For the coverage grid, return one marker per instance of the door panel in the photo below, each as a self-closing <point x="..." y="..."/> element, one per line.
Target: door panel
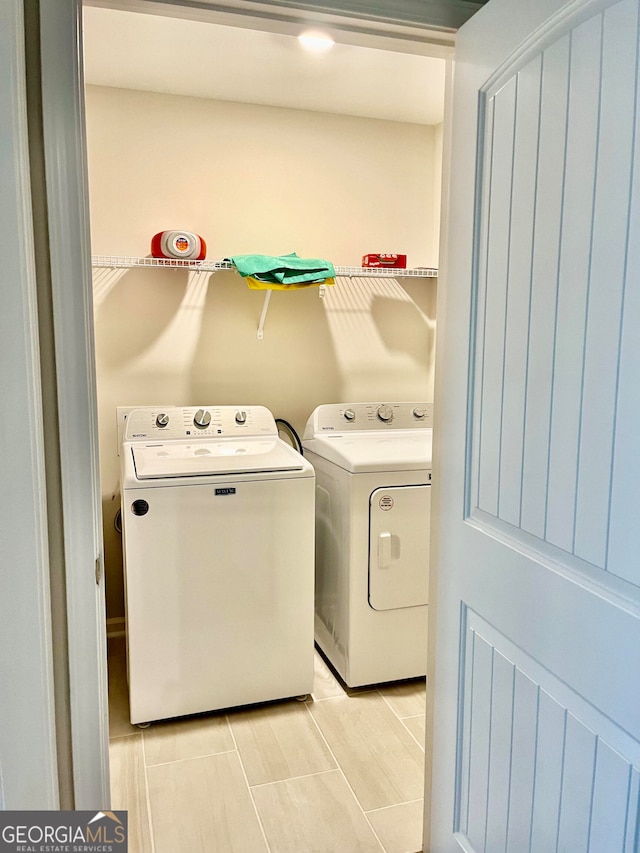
<point x="608" y="277"/>
<point x="526" y="123"/>
<point x="537" y="714"/>
<point x="550" y="283"/>
<point x="573" y="279"/>
<point x="537" y="761"/>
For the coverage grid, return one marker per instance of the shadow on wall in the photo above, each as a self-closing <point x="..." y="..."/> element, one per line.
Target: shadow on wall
<point x="372" y="321"/>
<point x="135" y="307"/>
<point x="113" y="562"/>
<point x="403" y="327"/>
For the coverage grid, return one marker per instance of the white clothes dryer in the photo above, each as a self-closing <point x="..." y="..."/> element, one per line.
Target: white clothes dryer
<point x="373" y="502"/>
<point x="218" y="532"/>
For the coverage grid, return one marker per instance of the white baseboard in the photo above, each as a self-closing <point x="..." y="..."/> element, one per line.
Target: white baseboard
<point x="116" y="627"/>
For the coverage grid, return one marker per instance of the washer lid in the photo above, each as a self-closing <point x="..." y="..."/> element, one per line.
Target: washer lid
<point x="211" y="458"/>
<point x="361" y="452"/>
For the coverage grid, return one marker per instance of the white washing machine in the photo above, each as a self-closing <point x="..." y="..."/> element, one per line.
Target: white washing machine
<point x="218" y="538"/>
<point x="373" y="502"/>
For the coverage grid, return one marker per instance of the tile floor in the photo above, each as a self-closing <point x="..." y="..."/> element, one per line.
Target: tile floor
<point x="339" y="773"/>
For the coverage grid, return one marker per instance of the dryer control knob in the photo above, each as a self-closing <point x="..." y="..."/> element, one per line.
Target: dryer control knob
<point x="202" y="419"/>
<point x="385" y="413"/>
<point x="349" y="414"/>
<point x="241" y="417"/>
<point x="162" y="420"/>
<point x="419" y="413"/>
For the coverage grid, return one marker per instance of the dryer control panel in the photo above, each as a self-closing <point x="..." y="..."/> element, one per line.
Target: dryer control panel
<point x="167" y="423"/>
<point x="344" y="417"/>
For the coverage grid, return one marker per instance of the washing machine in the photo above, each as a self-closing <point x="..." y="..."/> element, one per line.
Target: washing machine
<point x="218" y="540"/>
<point x="373" y="502"/>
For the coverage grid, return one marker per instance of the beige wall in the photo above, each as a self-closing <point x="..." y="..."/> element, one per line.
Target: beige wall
<point x="264" y="180"/>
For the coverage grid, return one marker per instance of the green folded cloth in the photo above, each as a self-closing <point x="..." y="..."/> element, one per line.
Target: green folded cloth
<point x="283" y="269"/>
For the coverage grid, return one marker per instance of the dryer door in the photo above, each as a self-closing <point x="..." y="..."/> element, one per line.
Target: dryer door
<point x="399" y="519"/>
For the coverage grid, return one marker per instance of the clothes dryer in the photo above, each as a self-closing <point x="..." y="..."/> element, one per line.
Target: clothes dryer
<point x="218" y="532"/>
<point x="373" y="502"/>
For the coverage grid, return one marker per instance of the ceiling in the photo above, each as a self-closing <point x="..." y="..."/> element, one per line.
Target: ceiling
<point x="207" y="60"/>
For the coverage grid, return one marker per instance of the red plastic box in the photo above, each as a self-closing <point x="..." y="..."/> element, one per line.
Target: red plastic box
<point x="385" y="260"/>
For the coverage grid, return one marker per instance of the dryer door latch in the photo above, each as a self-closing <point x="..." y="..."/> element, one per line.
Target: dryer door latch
<point x="384" y="550"/>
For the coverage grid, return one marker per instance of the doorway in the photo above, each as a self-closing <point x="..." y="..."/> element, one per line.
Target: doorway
<point x="161" y="336"/>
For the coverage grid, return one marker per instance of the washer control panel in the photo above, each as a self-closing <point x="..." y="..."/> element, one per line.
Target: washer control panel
<point x="342" y="417"/>
<point x="175" y="422"/>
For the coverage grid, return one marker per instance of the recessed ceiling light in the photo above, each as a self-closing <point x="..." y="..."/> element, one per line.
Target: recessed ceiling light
<point x="317" y="42"/>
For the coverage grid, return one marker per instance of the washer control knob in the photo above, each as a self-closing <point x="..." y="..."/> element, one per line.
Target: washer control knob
<point x="419" y="413"/>
<point x="385" y="413"/>
<point x="202" y="419"/>
<point x="241" y="417"/>
<point x="162" y="420"/>
<point x="349" y="415"/>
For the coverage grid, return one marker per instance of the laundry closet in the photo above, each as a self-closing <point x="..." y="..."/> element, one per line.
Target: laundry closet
<point x="253" y="178"/>
<point x="183" y="133"/>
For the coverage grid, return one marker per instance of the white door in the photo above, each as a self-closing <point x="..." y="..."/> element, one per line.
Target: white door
<point x="537" y="678"/>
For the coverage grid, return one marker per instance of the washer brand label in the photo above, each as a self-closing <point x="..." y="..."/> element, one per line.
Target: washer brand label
<point x="225" y="491"/>
<point x="386" y="503"/>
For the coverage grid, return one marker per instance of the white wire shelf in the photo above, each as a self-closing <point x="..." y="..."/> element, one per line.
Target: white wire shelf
<point x="127" y="261"/>
<point x="419" y="272"/>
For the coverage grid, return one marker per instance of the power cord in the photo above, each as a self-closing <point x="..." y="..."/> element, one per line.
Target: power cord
<point x="293" y="435"/>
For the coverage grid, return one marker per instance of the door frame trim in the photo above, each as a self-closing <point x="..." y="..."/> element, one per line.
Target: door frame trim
<point x="28" y="778"/>
<point x="72" y="306"/>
